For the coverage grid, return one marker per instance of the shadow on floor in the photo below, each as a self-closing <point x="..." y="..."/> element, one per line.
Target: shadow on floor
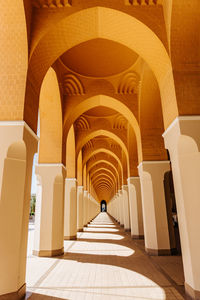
<point x="138" y="261"/>
<point x="34" y="296"/>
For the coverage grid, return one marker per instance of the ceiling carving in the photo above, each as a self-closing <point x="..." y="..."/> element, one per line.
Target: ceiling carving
<point x="120" y="122"/>
<point x="51" y="3"/>
<point x="88" y="145"/>
<point x="82" y="123"/>
<point x="72" y="85"/>
<point x="143" y="2"/>
<point x="129" y="84"/>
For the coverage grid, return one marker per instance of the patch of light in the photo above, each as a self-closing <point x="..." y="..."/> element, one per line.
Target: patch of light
<point x="98" y="229"/>
<point x="101" y="225"/>
<point x="109" y="282"/>
<point x="98" y="248"/>
<point x="100" y="236"/>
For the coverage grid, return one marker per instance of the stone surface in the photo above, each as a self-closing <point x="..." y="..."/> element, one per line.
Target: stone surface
<point x="104" y="263"/>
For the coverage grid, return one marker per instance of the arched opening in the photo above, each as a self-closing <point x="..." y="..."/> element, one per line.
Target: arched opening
<point x="103" y="206"/>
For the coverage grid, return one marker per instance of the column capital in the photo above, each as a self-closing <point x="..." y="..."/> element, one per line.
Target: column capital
<point x="81" y="187"/>
<point x="183" y="125"/>
<point x="124" y="186"/>
<point x="71" y="179"/>
<point x="152" y="167"/>
<point x="50" y="170"/>
<point x="133" y="179"/>
<point x="19" y="124"/>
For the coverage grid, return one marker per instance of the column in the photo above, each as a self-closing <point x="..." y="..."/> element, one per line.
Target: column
<point x="85" y="208"/>
<point x="135" y="202"/>
<point x="80" y="208"/>
<point x="121" y="208"/>
<point x="89" y="207"/>
<point x="154" y="206"/>
<point x="182" y="139"/>
<point x="116" y="207"/>
<point x="17" y="147"/>
<point x="49" y="220"/>
<point x="70" y="209"/>
<point x="127" y="226"/>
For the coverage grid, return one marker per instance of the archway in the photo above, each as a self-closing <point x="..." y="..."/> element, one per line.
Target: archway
<point x="102" y="27"/>
<point x="103" y="206"/>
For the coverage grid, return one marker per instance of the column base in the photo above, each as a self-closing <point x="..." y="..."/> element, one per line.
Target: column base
<point x="191" y="293"/>
<point x="137" y="237"/>
<point x="158" y="252"/>
<point x="72" y="237"/>
<point x="80" y="230"/>
<point x="48" y="253"/>
<point x="20" y="294"/>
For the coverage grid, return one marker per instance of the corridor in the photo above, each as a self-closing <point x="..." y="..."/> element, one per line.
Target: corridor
<point x="103" y="263"/>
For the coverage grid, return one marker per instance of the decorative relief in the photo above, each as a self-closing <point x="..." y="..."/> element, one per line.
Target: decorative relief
<point x="51" y="3"/>
<point x="120" y="122"/>
<point x="143" y="2"/>
<point x="88" y="145"/>
<point x="115" y="146"/>
<point x="72" y="85"/>
<point x="82" y="123"/>
<point x="129" y="84"/>
<point x="93" y="158"/>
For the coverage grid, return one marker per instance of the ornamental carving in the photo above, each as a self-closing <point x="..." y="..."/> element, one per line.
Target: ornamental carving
<point x="72" y="85"/>
<point x="143" y="2"/>
<point x="51" y="3"/>
<point x="128" y="84"/>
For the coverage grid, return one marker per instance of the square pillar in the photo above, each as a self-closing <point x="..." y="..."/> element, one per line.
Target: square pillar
<point x="182" y="139"/>
<point x="85" y="208"/>
<point x="135" y="202"/>
<point x="80" y="208"/>
<point x="127" y="226"/>
<point x="17" y="147"/>
<point x="121" y="206"/>
<point x="70" y="209"/>
<point x="154" y="207"/>
<point x="49" y="217"/>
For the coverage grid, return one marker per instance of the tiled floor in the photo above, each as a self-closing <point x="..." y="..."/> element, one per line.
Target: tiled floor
<point x="104" y="263"/>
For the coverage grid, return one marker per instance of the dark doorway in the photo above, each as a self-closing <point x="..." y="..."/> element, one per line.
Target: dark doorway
<point x="172" y="214"/>
<point x="103" y="206"/>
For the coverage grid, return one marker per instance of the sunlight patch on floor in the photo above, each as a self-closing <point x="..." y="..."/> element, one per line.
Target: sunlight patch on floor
<point x="101" y="236"/>
<point x="100" y="229"/>
<point x="93" y="248"/>
<point x="109" y="267"/>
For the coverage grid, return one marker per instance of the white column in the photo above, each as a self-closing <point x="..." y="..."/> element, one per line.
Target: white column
<point x="89" y="207"/>
<point x="49" y="220"/>
<point x="135" y="202"/>
<point x="121" y="208"/>
<point x="80" y="208"/>
<point x="85" y="208"/>
<point x="17" y="147"/>
<point x="127" y="226"/>
<point x="70" y="210"/>
<point x="154" y="206"/>
<point x="182" y="139"/>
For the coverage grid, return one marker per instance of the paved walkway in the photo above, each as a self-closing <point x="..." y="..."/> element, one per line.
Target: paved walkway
<point x="104" y="263"/>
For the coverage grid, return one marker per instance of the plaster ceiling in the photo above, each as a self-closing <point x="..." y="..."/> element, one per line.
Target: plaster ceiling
<point x="99" y="58"/>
